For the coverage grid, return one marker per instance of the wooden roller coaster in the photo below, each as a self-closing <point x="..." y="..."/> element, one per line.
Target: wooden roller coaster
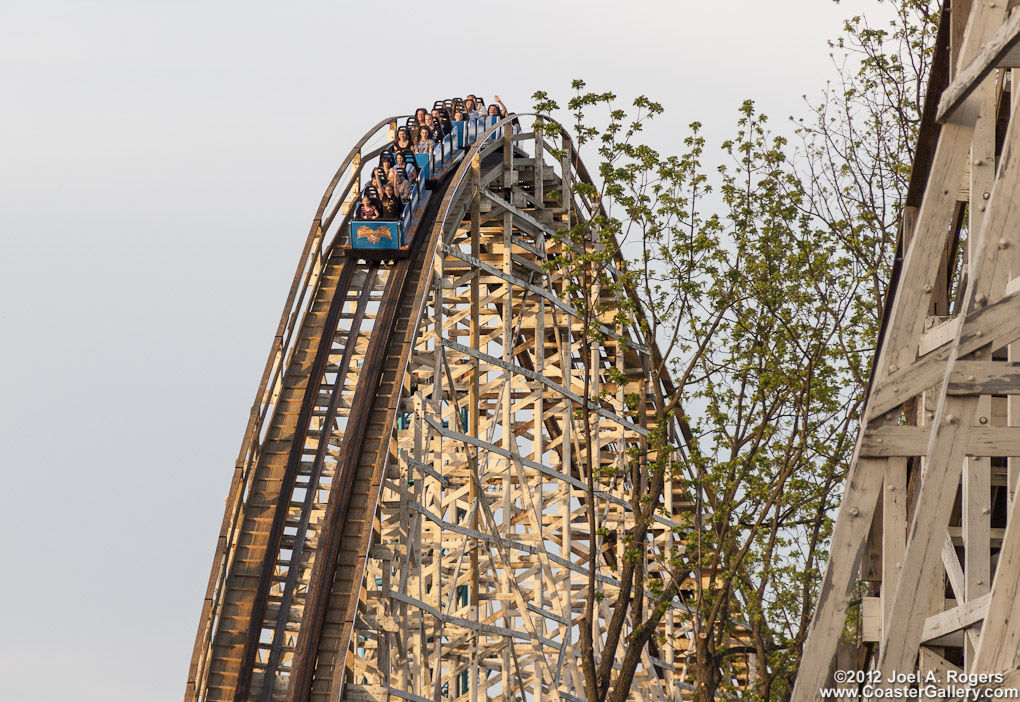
<point x="922" y="584"/>
<point x="405" y="518"/>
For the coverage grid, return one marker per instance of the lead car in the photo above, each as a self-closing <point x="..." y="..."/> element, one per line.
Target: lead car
<point x="376" y="239"/>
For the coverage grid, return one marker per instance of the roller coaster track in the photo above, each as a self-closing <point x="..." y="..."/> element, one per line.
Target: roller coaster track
<point x="405" y="517"/>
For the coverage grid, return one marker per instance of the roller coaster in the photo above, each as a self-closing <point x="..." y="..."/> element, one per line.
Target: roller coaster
<point x="407" y="513"/>
<point x="405" y="518"/>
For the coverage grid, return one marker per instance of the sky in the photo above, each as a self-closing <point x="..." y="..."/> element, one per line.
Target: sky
<point x="160" y="165"/>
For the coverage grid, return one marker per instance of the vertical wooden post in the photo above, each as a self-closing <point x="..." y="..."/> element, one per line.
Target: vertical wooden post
<point x="976" y="520"/>
<point x="507" y="392"/>
<point x="894" y="528"/>
<point x="958" y="16"/>
<point x="538" y="414"/>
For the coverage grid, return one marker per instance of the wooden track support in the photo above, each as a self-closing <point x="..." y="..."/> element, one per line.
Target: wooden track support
<point x="926" y="532"/>
<point x="409" y="517"/>
<point x="478" y="570"/>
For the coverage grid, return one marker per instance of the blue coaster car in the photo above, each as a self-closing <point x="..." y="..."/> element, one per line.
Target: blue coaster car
<point x="422" y="163"/>
<point x="376" y="239"/>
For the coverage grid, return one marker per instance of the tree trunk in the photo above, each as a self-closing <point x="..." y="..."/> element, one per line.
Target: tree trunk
<point x="706" y="668"/>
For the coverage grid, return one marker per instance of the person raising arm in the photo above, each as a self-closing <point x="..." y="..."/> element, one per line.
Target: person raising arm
<point x="506" y="113"/>
<point x="390" y="204"/>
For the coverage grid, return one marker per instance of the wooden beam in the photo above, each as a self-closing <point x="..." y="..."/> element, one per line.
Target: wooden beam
<point x="954" y="571"/>
<point x="959" y="617"/>
<point x="954" y="419"/>
<point x="995" y="325"/>
<point x="903" y="325"/>
<point x="894" y="527"/>
<point x="848" y="539"/>
<point x="1000" y="634"/>
<point x="976" y="528"/>
<point x="984" y="378"/>
<point x="940" y="334"/>
<point x="1002" y="50"/>
<point x="929" y="661"/>
<point x="986" y="441"/>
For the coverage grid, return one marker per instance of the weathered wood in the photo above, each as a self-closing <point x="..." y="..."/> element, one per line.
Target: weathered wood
<point x="894" y="527"/>
<point x="953" y="422"/>
<point x="1001" y="51"/>
<point x="984" y="378"/>
<point x="931" y="662"/>
<point x="976" y="527"/>
<point x="941" y="333"/>
<point x="1000" y="634"/>
<point x="851" y="530"/>
<point x="937" y="397"/>
<point x="908" y="441"/>
<point x="954" y="619"/>
<point x="995" y="326"/>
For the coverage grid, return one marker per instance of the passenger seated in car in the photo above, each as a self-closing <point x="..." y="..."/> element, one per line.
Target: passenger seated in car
<point x="424" y="143"/>
<point x="458" y="116"/>
<point x="368" y="209"/>
<point x="442" y="120"/>
<point x="403" y="140"/>
<point x="494" y="111"/>
<point x="471" y="107"/>
<point x="430" y="122"/>
<point x="408" y="168"/>
<point x="419" y="116"/>
<point x="390" y="204"/>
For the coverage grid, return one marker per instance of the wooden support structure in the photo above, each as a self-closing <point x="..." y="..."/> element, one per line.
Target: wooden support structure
<point x="933" y="470"/>
<point x="408" y="518"/>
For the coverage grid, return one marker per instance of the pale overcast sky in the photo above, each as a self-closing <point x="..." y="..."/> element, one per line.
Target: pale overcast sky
<point x="160" y="164"/>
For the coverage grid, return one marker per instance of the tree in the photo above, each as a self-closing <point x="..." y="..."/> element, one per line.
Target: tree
<point x="762" y="285"/>
<point x="733" y="299"/>
<point x="857" y="144"/>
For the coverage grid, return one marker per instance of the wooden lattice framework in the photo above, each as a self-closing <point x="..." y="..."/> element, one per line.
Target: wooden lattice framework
<point x="477" y="576"/>
<point x="926" y="542"/>
<point x="408" y="514"/>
